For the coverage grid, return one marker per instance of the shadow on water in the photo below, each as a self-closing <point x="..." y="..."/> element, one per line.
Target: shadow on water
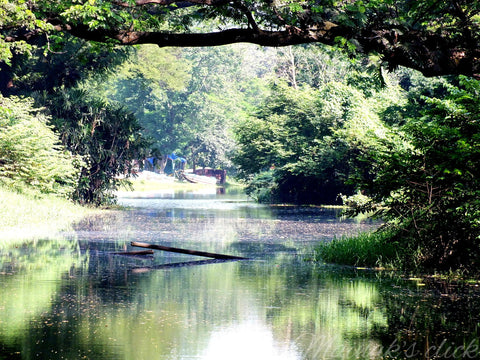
<point x="72" y="297"/>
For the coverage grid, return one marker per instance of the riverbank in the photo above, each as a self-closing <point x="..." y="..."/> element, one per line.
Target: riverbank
<point x="147" y="181"/>
<point x="150" y="181"/>
<point x="25" y="215"/>
<point x="32" y="215"/>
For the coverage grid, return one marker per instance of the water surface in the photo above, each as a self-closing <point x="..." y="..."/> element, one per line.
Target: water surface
<point x="72" y="297"/>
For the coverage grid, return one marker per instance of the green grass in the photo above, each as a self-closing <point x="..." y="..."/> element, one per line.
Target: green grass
<point x="34" y="215"/>
<point x="364" y="250"/>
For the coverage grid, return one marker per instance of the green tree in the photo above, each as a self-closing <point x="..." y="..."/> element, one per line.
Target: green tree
<point x="216" y="100"/>
<point x="302" y="145"/>
<point x="311" y="64"/>
<point x="31" y="155"/>
<point x="187" y="99"/>
<point x="427" y="185"/>
<point x="106" y="136"/>
<point x="147" y="84"/>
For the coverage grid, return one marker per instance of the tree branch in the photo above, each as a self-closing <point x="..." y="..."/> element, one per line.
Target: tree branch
<point x="170" y="2"/>
<point x="429" y="52"/>
<point x="251" y="21"/>
<point x="290" y="36"/>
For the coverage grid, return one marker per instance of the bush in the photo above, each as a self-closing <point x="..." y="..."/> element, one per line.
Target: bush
<point x="261" y="187"/>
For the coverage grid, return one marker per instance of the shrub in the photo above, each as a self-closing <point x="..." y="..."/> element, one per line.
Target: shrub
<point x="261" y="187"/>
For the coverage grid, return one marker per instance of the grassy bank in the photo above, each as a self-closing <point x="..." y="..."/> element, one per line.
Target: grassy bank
<point x="30" y="215"/>
<point x="373" y="250"/>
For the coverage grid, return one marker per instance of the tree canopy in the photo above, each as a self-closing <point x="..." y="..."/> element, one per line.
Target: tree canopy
<point x="187" y="100"/>
<point x="436" y="37"/>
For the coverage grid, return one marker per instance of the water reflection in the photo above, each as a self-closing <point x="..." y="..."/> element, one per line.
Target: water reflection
<point x="74" y="298"/>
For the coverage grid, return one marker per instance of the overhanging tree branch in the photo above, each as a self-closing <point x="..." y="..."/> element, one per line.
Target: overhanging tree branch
<point x="290" y="36"/>
<point x="436" y="49"/>
<point x="429" y="53"/>
<point x="171" y="2"/>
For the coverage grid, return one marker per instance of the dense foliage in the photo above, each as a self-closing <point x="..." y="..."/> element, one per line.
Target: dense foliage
<point x="31" y="155"/>
<point x="106" y="136"/>
<point x="428" y="190"/>
<point x="187" y="99"/>
<point x="306" y="144"/>
<point x="425" y="186"/>
<point x="291" y="139"/>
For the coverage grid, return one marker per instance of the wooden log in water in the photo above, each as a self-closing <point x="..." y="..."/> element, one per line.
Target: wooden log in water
<point x="186" y="251"/>
<point x="135" y="253"/>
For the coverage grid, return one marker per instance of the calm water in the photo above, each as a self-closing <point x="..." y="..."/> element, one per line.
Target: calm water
<point x="72" y="297"/>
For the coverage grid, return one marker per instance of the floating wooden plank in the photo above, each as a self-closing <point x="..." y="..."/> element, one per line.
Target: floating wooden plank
<point x="186" y="251"/>
<point x="134" y="253"/>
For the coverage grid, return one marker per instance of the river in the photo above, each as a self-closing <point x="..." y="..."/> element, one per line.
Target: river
<point x="72" y="296"/>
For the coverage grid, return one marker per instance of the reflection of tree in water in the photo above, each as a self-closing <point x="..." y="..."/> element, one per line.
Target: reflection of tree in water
<point x="31" y="272"/>
<point x="326" y="314"/>
<point x="91" y="303"/>
<point x="97" y="306"/>
<point x="438" y="321"/>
